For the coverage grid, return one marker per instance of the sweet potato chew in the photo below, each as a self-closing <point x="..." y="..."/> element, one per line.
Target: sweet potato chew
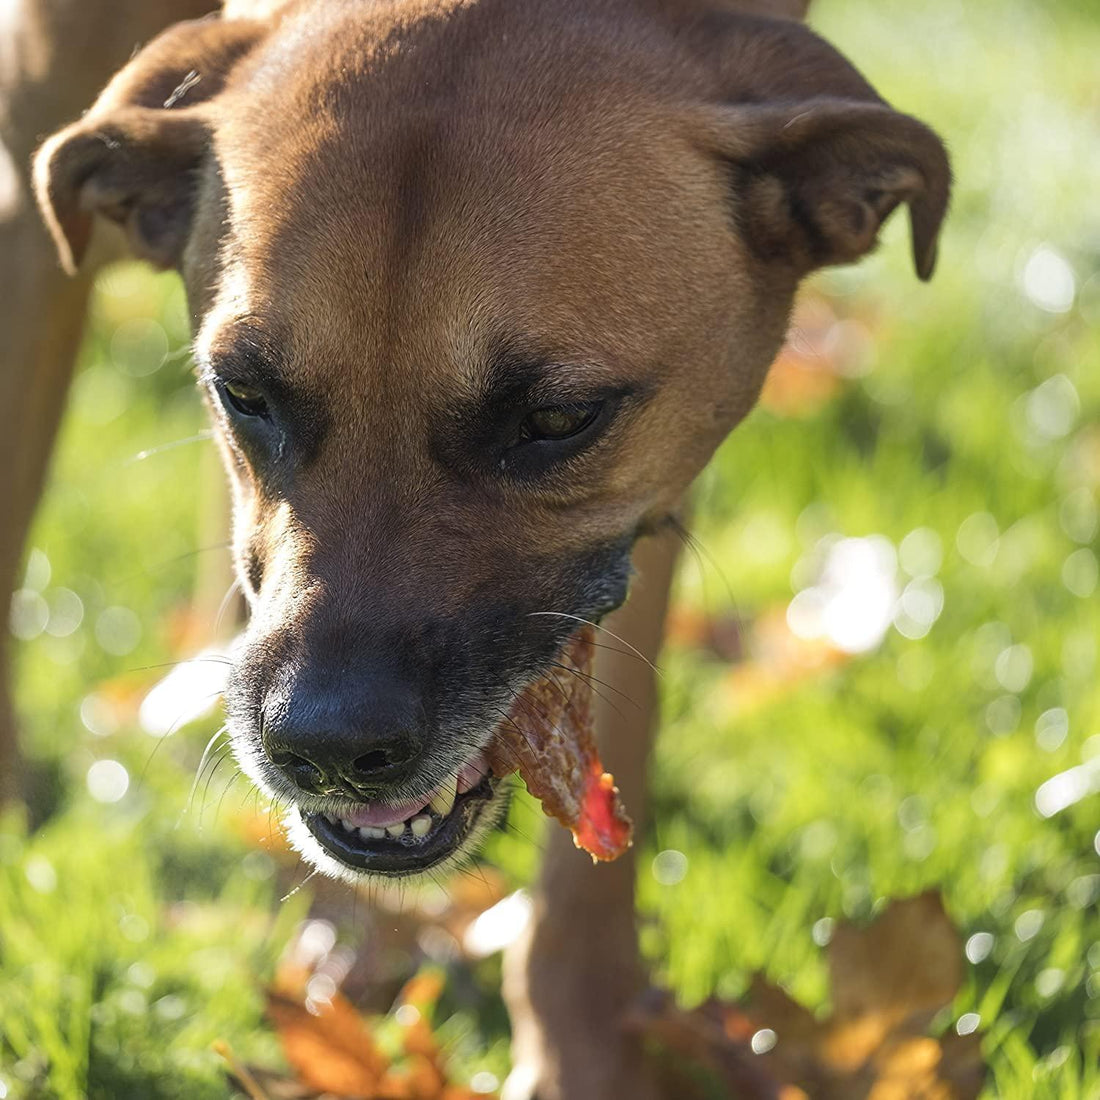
<point x="550" y="739"/>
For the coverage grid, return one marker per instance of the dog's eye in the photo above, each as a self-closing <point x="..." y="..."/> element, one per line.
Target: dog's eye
<point x="560" y="421"/>
<point x="247" y="400"/>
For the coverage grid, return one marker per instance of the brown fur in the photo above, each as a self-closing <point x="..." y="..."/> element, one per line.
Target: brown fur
<point x="385" y="214"/>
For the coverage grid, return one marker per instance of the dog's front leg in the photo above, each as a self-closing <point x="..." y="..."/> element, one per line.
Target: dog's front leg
<point x="54" y="56"/>
<point x="575" y="973"/>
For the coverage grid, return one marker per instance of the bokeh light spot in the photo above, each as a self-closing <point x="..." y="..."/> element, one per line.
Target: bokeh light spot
<point x="1002" y="715"/>
<point x="1049" y="981"/>
<point x="1013" y="668"/>
<point x="921" y="552"/>
<point x="1048" y="280"/>
<point x="763" y="1041"/>
<point x="484" y="1082"/>
<point x="1028" y="924"/>
<point x="967" y="1023"/>
<point x="978" y="538"/>
<point x="1068" y="788"/>
<point x="66" y="612"/>
<point x="28" y="615"/>
<point x="1052" y="728"/>
<point x="38" y="571"/>
<point x="670" y="867"/>
<point x="499" y="926"/>
<point x="979" y="946"/>
<point x="1052" y="408"/>
<point x="1080" y="573"/>
<point x="139" y="346"/>
<point x="118" y="631"/>
<point x="41" y="874"/>
<point x="108" y="781"/>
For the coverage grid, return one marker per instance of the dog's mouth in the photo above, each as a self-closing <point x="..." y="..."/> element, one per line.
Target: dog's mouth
<point x="413" y="837"/>
<point x="547" y="737"/>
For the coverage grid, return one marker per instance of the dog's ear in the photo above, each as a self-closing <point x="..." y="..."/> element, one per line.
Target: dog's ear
<point x="819" y="160"/>
<point x="133" y="158"/>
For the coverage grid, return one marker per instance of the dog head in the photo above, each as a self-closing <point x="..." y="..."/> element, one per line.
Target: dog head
<point x="477" y="289"/>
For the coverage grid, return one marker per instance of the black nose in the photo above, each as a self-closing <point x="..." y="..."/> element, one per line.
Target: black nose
<point x="360" y="739"/>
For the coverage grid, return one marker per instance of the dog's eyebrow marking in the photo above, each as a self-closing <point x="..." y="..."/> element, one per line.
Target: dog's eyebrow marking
<point x="245" y="353"/>
<point x="247" y="366"/>
<point x="521" y="379"/>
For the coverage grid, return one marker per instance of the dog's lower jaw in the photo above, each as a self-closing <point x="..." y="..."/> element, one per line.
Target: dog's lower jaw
<point x="449" y="844"/>
<point x="300" y="814"/>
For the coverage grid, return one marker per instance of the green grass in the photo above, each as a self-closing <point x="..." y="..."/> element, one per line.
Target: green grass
<point x="127" y="944"/>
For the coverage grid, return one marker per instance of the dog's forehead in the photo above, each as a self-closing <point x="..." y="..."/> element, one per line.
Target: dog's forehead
<point x="430" y="210"/>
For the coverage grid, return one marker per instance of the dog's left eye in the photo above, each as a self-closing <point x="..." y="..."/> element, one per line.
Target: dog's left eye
<point x="559" y="421"/>
<point x="247" y="400"/>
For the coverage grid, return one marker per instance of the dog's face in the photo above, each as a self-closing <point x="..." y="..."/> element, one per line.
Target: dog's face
<point x="476" y="296"/>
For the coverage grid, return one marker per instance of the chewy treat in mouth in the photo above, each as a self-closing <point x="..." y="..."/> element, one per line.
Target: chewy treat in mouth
<point x="549" y="738"/>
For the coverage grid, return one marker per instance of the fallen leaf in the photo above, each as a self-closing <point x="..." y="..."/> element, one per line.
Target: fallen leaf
<point x="331" y="1047"/>
<point x="902" y="969"/>
<point x="888" y="982"/>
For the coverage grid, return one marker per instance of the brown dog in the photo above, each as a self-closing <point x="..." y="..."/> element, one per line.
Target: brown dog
<point x="477" y="289"/>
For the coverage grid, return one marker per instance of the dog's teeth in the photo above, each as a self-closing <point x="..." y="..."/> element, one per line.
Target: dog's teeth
<point x="444" y="800"/>
<point x="371" y="832"/>
<point x="420" y="825"/>
<point x="396" y="830"/>
<point x="348" y="826"/>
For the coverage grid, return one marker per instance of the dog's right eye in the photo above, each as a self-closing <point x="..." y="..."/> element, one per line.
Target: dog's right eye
<point x="247" y="400"/>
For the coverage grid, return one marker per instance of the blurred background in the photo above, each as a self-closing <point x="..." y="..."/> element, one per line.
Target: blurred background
<point x="882" y="673"/>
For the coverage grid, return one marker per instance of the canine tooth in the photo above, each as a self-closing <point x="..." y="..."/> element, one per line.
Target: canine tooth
<point x="348" y="826"/>
<point x="420" y="825"/>
<point x="371" y="832"/>
<point x="444" y="800"/>
<point x="396" y="830"/>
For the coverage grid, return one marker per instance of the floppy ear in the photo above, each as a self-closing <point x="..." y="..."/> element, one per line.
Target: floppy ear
<point x="817" y="178"/>
<point x="134" y="157"/>
<point x="819" y="160"/>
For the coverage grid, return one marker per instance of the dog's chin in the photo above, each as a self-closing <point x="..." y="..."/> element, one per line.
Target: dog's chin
<point x="338" y="849"/>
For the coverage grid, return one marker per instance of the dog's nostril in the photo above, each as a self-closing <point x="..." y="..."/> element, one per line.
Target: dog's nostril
<point x="306" y="775"/>
<point x="391" y="755"/>
<point x="373" y="761"/>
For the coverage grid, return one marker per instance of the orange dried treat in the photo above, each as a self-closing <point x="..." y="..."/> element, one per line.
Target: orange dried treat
<point x="550" y="739"/>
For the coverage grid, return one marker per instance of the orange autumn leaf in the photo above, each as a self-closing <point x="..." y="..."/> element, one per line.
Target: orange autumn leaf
<point x="332" y="1050"/>
<point x="331" y="1047"/>
<point x="888" y="981"/>
<point x="422" y="990"/>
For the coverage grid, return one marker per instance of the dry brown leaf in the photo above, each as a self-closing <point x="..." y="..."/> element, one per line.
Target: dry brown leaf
<point x="888" y="981"/>
<point x="908" y="963"/>
<point x="330" y="1048"/>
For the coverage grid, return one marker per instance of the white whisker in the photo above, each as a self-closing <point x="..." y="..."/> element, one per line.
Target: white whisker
<point x="610" y="633"/>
